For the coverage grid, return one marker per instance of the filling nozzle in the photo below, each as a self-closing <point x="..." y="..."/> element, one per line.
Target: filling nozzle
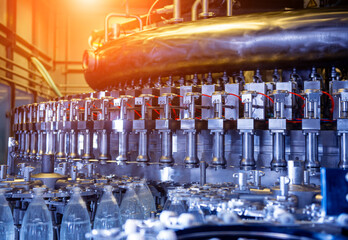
<point x="165" y="128"/>
<point x="342" y="122"/>
<point x="311" y="127"/>
<point x="142" y="130"/>
<point x="121" y="129"/>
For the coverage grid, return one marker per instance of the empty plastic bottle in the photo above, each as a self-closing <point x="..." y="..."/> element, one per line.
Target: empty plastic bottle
<point x="76" y="222"/>
<point x="177" y="205"/>
<point x="146" y="198"/>
<point x="37" y="221"/>
<point x="195" y="210"/>
<point x="108" y="214"/>
<point x="131" y="207"/>
<point x="6" y="219"/>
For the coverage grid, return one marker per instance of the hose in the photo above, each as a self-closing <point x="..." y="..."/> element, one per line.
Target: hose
<point x="45" y="75"/>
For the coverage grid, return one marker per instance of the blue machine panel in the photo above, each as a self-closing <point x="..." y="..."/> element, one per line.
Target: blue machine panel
<point x="334" y="189"/>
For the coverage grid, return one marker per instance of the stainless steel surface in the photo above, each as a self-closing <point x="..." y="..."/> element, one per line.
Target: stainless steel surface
<point x="254" y="41"/>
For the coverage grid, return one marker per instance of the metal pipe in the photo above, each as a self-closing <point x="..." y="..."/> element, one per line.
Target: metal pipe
<point x="166" y="147"/>
<point x="61" y="145"/>
<point x="229" y="4"/>
<point x="88" y="145"/>
<point x="203" y="172"/>
<point x="111" y="15"/>
<point x="205" y="7"/>
<point x="73" y="144"/>
<point x="218" y="149"/>
<point x="143" y="154"/>
<point x="191" y="148"/>
<point x="247" y="150"/>
<point x="103" y="145"/>
<point x="177" y="9"/>
<point x="344" y="151"/>
<point x="278" y="150"/>
<point x="194" y="10"/>
<point x="122" y="146"/>
<point x="312" y="150"/>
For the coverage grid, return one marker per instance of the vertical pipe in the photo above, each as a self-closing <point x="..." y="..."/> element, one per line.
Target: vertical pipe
<point x="312" y="150"/>
<point x="203" y="172"/>
<point x="87" y="143"/>
<point x="191" y="150"/>
<point x="33" y="145"/>
<point x="73" y="145"/>
<point x="177" y="9"/>
<point x="61" y="144"/>
<point x="103" y="146"/>
<point x="166" y="147"/>
<point x="344" y="151"/>
<point x="229" y="7"/>
<point x="278" y="150"/>
<point x="247" y="150"/>
<point x="143" y="157"/>
<point x="122" y="146"/>
<point x="218" y="149"/>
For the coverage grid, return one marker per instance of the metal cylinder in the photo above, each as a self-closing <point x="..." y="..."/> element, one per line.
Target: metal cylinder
<point x="27" y="145"/>
<point x="40" y="144"/>
<point x="203" y="172"/>
<point x="103" y="146"/>
<point x="191" y="148"/>
<point x="343" y="151"/>
<point x="90" y="170"/>
<point x="61" y="145"/>
<point x="229" y="4"/>
<point x="166" y="147"/>
<point x="142" y="150"/>
<point x="47" y="164"/>
<point x="311" y="148"/>
<point x="278" y="160"/>
<point x="247" y="151"/>
<point x="296" y="172"/>
<point x="242" y="180"/>
<point x="87" y="145"/>
<point x="205" y="8"/>
<point x="3" y="172"/>
<point x="284" y="185"/>
<point x="299" y="37"/>
<point x="22" y="143"/>
<point x="177" y="9"/>
<point x="49" y="143"/>
<point x="73" y="173"/>
<point x="73" y="145"/>
<point x="218" y="149"/>
<point x="257" y="175"/>
<point x="122" y="146"/>
<point x="33" y="145"/>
